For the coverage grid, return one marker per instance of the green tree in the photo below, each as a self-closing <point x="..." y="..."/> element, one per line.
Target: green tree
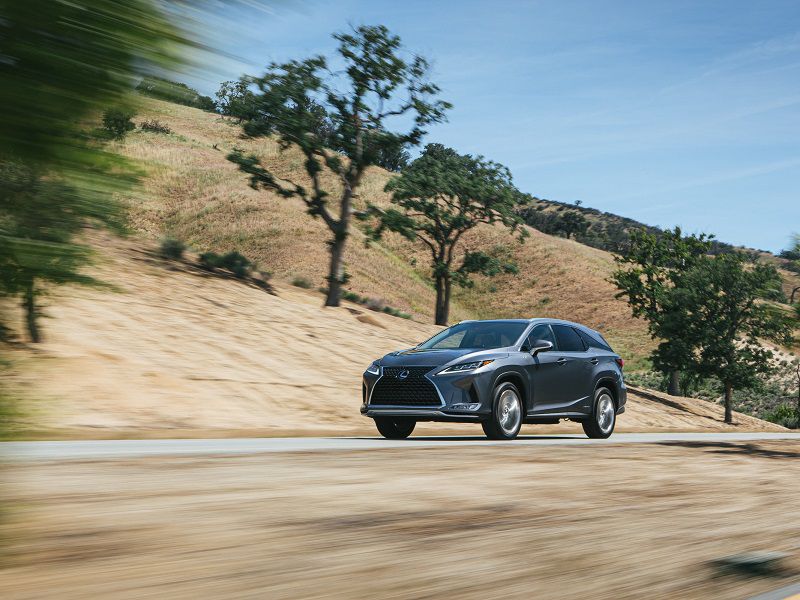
<point x="648" y="268"/>
<point x="42" y="218"/>
<point x="314" y="108"/>
<point x="721" y="313"/>
<point x="573" y="223"/>
<point x="61" y="63"/>
<point x="441" y="196"/>
<point x="236" y="99"/>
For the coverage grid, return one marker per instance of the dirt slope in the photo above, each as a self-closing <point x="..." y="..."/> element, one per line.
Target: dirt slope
<point x="177" y="351"/>
<point x="191" y="191"/>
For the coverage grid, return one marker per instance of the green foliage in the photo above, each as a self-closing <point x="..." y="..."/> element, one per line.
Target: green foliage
<point x="437" y="199"/>
<point x="236" y="99"/>
<point x="70" y="60"/>
<point x="155" y="126"/>
<point x="118" y="122"/>
<point x="232" y="261"/>
<point x="351" y="108"/>
<point x="647" y="271"/>
<point x="174" y="91"/>
<point x="172" y="248"/>
<point x="66" y="61"/>
<point x="718" y="317"/>
<point x="785" y="415"/>
<point x="302" y="282"/>
<point x="41" y="218"/>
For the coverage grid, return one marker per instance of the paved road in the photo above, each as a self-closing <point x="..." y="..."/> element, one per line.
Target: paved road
<point x="109" y="449"/>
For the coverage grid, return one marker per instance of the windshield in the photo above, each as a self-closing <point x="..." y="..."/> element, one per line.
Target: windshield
<point x="480" y="335"/>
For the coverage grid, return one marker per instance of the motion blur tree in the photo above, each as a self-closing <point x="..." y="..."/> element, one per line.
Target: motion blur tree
<point x="721" y="313"/>
<point x="44" y="215"/>
<point x="313" y="107"/>
<point x="647" y="270"/>
<point x="60" y="63"/>
<point x="441" y="196"/>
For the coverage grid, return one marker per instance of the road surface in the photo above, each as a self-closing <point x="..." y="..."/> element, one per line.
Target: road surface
<point x="109" y="449"/>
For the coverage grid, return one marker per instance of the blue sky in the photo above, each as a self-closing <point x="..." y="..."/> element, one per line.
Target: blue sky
<point x="673" y="113"/>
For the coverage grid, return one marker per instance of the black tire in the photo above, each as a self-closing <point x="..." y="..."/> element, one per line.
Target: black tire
<point x="498" y="426"/>
<point x="395" y="428"/>
<point x="598" y="426"/>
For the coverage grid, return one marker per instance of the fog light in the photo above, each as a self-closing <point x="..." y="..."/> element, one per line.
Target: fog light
<point x="466" y="406"/>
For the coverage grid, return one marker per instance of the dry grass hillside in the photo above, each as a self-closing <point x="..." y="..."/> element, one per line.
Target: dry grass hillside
<point x="177" y="351"/>
<point x="192" y="192"/>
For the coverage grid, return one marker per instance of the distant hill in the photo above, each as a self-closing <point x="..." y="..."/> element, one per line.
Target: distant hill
<point x="593" y="227"/>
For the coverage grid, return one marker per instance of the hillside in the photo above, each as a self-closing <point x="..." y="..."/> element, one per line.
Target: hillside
<point x="192" y="192"/>
<point x="177" y="351"/>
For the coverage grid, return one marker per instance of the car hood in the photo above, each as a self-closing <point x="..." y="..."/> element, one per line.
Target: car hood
<point x="432" y="358"/>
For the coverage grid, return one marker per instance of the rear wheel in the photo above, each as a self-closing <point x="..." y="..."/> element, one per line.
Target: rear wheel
<point x="601" y="423"/>
<point x="506" y="418"/>
<point x="395" y="428"/>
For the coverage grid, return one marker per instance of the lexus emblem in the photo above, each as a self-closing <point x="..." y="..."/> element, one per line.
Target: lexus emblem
<point x="403" y="374"/>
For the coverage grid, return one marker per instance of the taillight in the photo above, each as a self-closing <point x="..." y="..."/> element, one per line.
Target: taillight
<point x="620" y="362"/>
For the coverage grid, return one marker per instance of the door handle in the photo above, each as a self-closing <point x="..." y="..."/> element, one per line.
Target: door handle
<point x="594" y="361"/>
<point x="561" y="361"/>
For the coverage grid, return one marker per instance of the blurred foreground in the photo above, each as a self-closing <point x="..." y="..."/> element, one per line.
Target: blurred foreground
<point x="603" y="521"/>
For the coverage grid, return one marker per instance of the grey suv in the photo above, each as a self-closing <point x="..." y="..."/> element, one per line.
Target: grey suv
<point x="501" y="374"/>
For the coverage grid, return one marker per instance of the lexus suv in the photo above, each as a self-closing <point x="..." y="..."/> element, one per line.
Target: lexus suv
<point x="501" y="374"/>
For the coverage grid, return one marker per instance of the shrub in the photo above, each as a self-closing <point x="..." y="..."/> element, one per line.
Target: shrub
<point x="117" y="122"/>
<point x="155" y="126"/>
<point x="302" y="282"/>
<point x="353" y="297"/>
<point x="785" y="415"/>
<point x="232" y="261"/>
<point x="172" y="249"/>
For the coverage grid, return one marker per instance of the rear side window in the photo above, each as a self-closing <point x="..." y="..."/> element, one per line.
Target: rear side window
<point x="568" y="339"/>
<point x="594" y="342"/>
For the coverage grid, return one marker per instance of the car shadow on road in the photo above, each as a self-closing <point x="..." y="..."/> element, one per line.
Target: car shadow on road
<point x="734" y="448"/>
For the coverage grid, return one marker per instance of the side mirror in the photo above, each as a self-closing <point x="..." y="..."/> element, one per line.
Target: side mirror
<point x="541" y="346"/>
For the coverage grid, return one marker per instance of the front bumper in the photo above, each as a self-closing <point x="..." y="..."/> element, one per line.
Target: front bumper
<point x="462" y="396"/>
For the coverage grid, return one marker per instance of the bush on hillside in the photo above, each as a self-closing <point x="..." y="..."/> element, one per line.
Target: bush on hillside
<point x="155" y="126"/>
<point x="302" y="282"/>
<point x="172" y="249"/>
<point x="233" y="261"/>
<point x="117" y="122"/>
<point x="785" y="415"/>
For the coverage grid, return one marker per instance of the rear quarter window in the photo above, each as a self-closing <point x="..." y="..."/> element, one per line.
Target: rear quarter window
<point x="568" y="339"/>
<point x="593" y="341"/>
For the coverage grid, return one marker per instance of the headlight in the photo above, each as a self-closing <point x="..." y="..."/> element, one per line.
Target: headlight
<point x="374" y="369"/>
<point x="470" y="366"/>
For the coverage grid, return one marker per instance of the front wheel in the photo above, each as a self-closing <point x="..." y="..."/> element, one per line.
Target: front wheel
<point x="600" y="424"/>
<point x="506" y="418"/>
<point x="395" y="428"/>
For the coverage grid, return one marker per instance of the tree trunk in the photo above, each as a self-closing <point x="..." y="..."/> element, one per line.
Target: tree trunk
<point x="797" y="413"/>
<point x="674" y="385"/>
<point x="31" y="312"/>
<point x="442" y="299"/>
<point x="794" y="291"/>
<point x="336" y="269"/>
<point x="728" y="403"/>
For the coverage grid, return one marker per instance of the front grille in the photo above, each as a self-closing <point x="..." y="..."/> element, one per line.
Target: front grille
<point x="413" y="390"/>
